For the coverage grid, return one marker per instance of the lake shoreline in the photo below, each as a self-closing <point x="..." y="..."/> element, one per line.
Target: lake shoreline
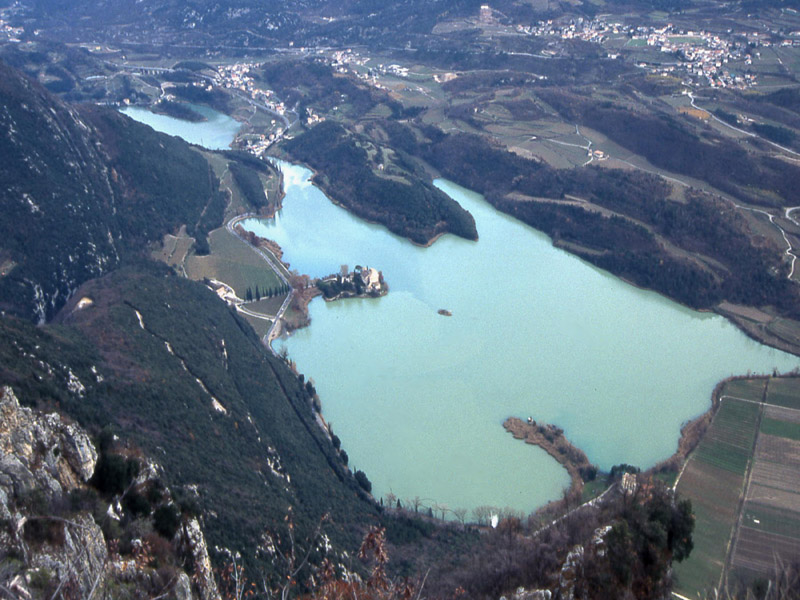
<point x="464" y="352"/>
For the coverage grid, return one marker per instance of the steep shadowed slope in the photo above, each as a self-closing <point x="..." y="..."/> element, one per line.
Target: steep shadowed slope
<point x="81" y="188"/>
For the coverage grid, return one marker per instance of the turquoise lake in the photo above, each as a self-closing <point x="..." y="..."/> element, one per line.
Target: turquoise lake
<point x="418" y="398"/>
<point x="215" y="133"/>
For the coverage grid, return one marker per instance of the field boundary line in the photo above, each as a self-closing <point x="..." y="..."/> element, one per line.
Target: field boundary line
<point x="771" y="533"/>
<point x="789" y="408"/>
<point x="767" y="404"/>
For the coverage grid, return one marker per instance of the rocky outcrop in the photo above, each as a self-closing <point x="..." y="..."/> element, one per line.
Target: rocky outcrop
<point x="42" y="459"/>
<point x="40" y="452"/>
<point x="522" y="594"/>
<point x="571" y="574"/>
<point x="80" y="561"/>
<point x="195" y="546"/>
<point x="60" y="552"/>
<point x="571" y="570"/>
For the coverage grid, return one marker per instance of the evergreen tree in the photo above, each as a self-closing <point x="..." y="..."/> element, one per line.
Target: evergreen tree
<point x="258" y="294"/>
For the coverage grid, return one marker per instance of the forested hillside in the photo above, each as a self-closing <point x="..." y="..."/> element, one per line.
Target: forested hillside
<point x="359" y="175"/>
<point x="81" y="189"/>
<point x="632" y="240"/>
<point x="163" y="364"/>
<point x="158" y="360"/>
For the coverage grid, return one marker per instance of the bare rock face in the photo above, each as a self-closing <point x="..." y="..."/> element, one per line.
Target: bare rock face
<point x="522" y="594"/>
<point x="194" y="542"/>
<point x="570" y="572"/>
<point x="40" y="451"/>
<point x="42" y="459"/>
<point x="81" y="560"/>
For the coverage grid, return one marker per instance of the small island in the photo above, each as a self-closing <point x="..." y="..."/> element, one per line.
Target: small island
<point x="362" y="282"/>
<point x="553" y="441"/>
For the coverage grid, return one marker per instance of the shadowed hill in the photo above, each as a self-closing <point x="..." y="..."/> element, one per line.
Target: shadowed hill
<point x="171" y="369"/>
<point x="82" y="188"/>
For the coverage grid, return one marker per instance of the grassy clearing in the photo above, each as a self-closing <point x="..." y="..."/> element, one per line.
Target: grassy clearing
<point x="174" y="249"/>
<point x="267" y="306"/>
<point x="260" y="326"/>
<point x="785" y="329"/>
<point x="667" y="477"/>
<point x="592" y="489"/>
<point x="232" y="261"/>
<point x="685" y="39"/>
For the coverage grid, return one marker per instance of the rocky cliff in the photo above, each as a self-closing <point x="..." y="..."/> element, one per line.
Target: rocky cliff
<point x="52" y="544"/>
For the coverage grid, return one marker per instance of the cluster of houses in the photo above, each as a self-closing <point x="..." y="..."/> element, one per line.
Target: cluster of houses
<point x="701" y="54"/>
<point x="237" y="76"/>
<point x="346" y="61"/>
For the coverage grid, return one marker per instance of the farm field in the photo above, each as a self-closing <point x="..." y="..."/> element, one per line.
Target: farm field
<point x="769" y="530"/>
<point x="232" y="262"/>
<point x="785" y="392"/>
<point x="744" y="483"/>
<point x="713" y="480"/>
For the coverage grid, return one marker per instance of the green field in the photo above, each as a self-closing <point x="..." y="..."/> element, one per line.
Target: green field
<point x="267" y="306"/>
<point x="713" y="480"/>
<point x="770" y="520"/>
<point x="729" y="444"/>
<point x="784" y="392"/>
<point x="260" y="326"/>
<point x="780" y="428"/>
<point x="234" y="262"/>
<point x="749" y="389"/>
<point x="174" y="249"/>
<point x="785" y="329"/>
<point x="592" y="489"/>
<point x="685" y="39"/>
<point x="744" y="433"/>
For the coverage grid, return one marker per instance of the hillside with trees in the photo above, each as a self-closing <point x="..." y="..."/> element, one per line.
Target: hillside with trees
<point x="160" y="362"/>
<point x="631" y="240"/>
<point x="85" y="188"/>
<point x="360" y="175"/>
